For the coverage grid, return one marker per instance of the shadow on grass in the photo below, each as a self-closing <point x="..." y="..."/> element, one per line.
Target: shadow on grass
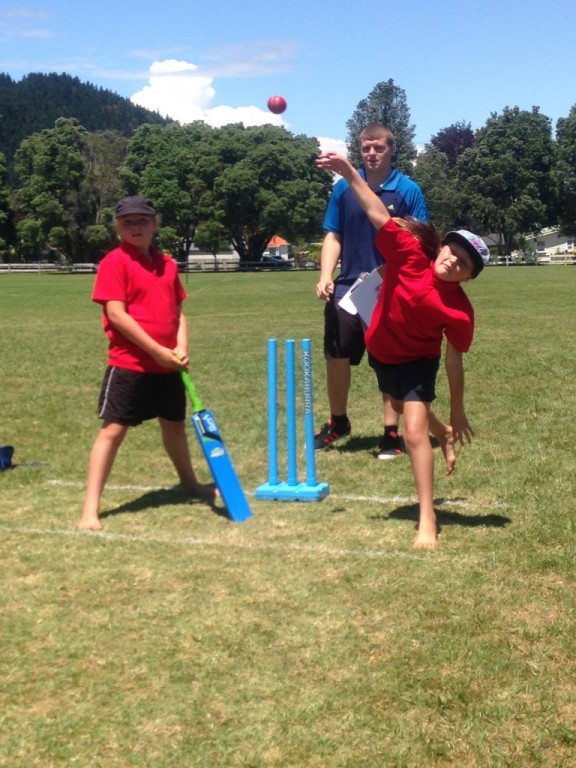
<point x="357" y="444"/>
<point x="410" y="512"/>
<point x="161" y="498"/>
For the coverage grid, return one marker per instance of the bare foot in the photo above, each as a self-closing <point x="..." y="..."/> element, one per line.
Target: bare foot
<point x="427" y="536"/>
<point x="205" y="491"/>
<point x="90" y="524"/>
<point x="447" y="445"/>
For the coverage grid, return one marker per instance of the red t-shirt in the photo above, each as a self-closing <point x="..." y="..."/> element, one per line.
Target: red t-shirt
<point x="415" y="309"/>
<point x="152" y="294"/>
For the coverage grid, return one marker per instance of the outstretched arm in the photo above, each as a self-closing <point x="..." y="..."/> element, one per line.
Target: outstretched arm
<point x="374" y="208"/>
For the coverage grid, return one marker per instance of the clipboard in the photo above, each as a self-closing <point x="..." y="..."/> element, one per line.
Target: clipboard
<point x="361" y="298"/>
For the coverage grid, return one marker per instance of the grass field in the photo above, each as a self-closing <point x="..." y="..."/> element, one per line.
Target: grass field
<point x="312" y="635"/>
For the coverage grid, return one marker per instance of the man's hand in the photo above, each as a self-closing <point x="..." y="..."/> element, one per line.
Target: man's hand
<point x="324" y="289"/>
<point x="329" y="258"/>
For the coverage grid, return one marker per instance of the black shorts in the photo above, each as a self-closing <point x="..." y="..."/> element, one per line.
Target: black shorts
<point x="130" y="397"/>
<point x="343" y="333"/>
<point x="408" y="382"/>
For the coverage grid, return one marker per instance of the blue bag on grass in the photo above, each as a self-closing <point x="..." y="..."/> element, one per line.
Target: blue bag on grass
<point x="6" y="453"/>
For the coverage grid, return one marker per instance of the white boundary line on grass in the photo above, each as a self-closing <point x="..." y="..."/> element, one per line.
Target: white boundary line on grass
<point x="339" y="497"/>
<point x="244" y="545"/>
<point x="144" y="488"/>
<point x="253" y="545"/>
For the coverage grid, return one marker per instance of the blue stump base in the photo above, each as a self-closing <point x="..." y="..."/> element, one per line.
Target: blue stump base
<point x="285" y="492"/>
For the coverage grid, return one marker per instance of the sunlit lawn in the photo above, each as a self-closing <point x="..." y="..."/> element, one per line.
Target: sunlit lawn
<point x="313" y="634"/>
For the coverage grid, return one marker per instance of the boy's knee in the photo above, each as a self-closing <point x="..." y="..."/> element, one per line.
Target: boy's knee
<point x="113" y="432"/>
<point x="415" y="436"/>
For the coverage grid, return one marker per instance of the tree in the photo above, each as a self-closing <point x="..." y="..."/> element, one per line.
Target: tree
<point x="38" y="100"/>
<point x="98" y="239"/>
<point x="52" y="167"/>
<point x="565" y="172"/>
<point x="168" y="241"/>
<point x="438" y="181"/>
<point x="102" y="187"/>
<point x="435" y="172"/>
<point x="272" y="186"/>
<point x="385" y="104"/>
<point x="6" y="218"/>
<point x="452" y="141"/>
<point x="250" y="182"/>
<point x="506" y="176"/>
<point x="175" y="166"/>
<point x="211" y="236"/>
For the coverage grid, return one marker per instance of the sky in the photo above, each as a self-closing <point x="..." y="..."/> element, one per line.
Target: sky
<point x="220" y="61"/>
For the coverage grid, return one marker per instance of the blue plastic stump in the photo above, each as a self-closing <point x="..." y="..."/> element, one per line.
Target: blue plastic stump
<point x="291" y="490"/>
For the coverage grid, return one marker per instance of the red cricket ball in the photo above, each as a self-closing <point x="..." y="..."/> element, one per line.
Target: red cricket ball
<point x="277" y="104"/>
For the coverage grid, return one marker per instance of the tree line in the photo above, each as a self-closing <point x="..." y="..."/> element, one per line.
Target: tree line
<point x="510" y="178"/>
<point x="36" y="101"/>
<point x="211" y="186"/>
<point x="240" y="185"/>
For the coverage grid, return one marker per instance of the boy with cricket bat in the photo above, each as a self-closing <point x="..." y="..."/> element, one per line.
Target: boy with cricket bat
<point x="141" y="297"/>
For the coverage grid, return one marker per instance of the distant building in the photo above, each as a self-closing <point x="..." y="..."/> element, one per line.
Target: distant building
<point x="229" y="259"/>
<point x="277" y="246"/>
<point x="209" y="262"/>
<point x="552" y="246"/>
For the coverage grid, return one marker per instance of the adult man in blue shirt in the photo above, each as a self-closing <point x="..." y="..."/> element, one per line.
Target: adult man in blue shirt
<point x="349" y="242"/>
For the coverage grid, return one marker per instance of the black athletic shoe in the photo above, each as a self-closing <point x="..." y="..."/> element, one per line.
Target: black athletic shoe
<point x="328" y="435"/>
<point x="390" y="446"/>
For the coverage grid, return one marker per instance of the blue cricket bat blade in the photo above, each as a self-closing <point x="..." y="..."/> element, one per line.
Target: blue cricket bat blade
<point x="216" y="455"/>
<point x="220" y="465"/>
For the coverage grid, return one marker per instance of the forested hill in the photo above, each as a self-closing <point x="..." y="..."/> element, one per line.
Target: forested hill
<point x="37" y="101"/>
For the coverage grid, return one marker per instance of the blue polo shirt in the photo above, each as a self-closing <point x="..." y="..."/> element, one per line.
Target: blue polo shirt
<point x="345" y="217"/>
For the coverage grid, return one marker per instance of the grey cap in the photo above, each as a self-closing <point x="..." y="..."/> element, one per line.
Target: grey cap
<point x="135" y="204"/>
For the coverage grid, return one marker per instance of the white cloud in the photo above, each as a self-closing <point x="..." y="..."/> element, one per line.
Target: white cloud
<point x="218" y="116"/>
<point x="19" y="22"/>
<point x="254" y="58"/>
<point x="24" y="13"/>
<point x="332" y="145"/>
<point x="178" y="89"/>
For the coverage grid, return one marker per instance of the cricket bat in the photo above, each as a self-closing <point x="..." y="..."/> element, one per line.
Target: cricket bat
<point x="217" y="456"/>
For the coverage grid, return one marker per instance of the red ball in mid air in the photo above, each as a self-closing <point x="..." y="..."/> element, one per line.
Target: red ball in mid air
<point x="277" y="104"/>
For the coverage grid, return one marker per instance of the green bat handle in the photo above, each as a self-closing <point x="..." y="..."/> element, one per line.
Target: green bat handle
<point x="191" y="389"/>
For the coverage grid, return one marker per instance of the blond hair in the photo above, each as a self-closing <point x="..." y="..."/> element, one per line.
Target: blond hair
<point x="375" y="131"/>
